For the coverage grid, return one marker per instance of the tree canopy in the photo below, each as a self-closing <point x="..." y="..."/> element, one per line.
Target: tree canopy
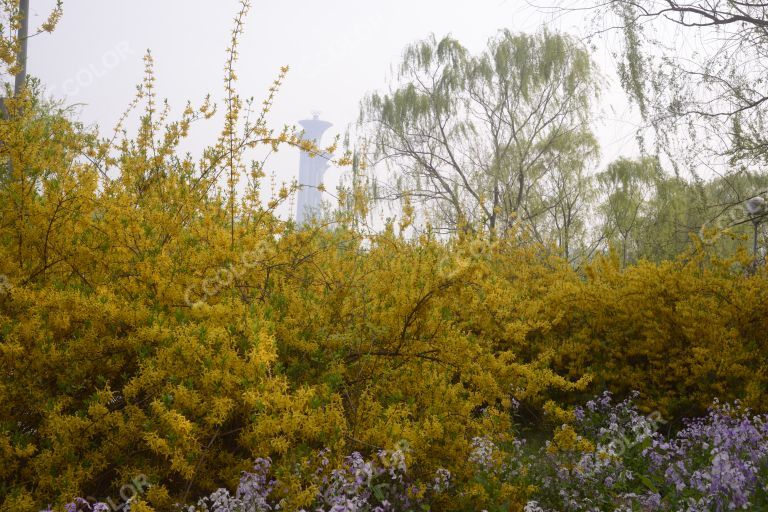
<point x="478" y="138"/>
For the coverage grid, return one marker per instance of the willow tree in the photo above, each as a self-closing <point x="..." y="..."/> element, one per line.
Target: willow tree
<point x="469" y="139"/>
<point x="628" y="187"/>
<point x="697" y="72"/>
<point x="564" y="198"/>
<point x="651" y="214"/>
<point x="672" y="215"/>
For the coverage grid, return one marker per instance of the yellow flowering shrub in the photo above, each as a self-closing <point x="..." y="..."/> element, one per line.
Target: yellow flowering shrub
<point x="679" y="332"/>
<point x="156" y="323"/>
<point x="146" y="330"/>
<point x="382" y="327"/>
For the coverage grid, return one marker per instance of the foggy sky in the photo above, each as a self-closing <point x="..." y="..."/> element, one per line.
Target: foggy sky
<point x="338" y="51"/>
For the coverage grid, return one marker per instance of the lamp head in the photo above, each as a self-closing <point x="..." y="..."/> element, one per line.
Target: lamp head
<point x="755" y="206"/>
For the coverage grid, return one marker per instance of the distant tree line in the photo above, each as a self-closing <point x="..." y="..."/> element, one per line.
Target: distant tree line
<point x="502" y="141"/>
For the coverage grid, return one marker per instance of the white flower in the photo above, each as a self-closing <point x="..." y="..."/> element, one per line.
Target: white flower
<point x="533" y="506"/>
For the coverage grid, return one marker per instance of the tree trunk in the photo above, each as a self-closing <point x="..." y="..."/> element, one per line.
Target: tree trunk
<point x="23" y="37"/>
<point x="20" y="82"/>
<point x="21" y="56"/>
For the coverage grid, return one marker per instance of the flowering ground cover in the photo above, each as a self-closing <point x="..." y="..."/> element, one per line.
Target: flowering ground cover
<point x="614" y="458"/>
<point x="609" y="458"/>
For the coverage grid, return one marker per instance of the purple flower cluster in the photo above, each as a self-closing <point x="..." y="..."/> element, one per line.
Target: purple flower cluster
<point x="716" y="463"/>
<point x="376" y="485"/>
<point x="719" y="462"/>
<point x="483" y="453"/>
<point x="83" y="505"/>
<point x="360" y="485"/>
<point x="252" y="494"/>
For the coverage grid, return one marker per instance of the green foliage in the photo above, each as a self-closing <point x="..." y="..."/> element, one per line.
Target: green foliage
<point x="471" y="139"/>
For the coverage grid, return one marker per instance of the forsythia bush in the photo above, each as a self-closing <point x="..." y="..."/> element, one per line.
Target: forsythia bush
<point x="148" y="331"/>
<point x="154" y="323"/>
<point x="681" y="333"/>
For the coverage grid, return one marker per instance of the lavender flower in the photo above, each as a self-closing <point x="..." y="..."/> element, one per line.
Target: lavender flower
<point x="482" y="454"/>
<point x="82" y="505"/>
<point x="252" y="494"/>
<point x="718" y="462"/>
<point x="378" y="484"/>
<point x="442" y="481"/>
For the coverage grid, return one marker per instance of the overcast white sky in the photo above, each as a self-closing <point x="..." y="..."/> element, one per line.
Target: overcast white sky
<point x="338" y="51"/>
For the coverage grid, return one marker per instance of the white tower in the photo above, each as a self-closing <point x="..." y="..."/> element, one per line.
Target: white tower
<point x="311" y="170"/>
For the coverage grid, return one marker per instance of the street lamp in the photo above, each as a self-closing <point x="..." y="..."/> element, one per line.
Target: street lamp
<point x="755" y="208"/>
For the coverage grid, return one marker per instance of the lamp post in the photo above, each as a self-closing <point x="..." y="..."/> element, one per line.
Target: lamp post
<point x="755" y="208"/>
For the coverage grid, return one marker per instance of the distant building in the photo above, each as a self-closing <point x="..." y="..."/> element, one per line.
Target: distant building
<point x="311" y="171"/>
